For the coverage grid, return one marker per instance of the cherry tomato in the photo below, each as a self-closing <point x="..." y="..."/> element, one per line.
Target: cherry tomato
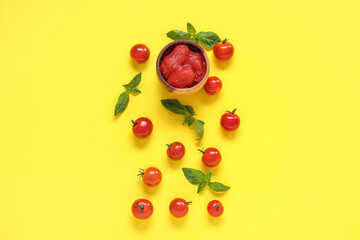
<point x="142" y="208"/>
<point x="230" y="121"/>
<point x="140" y="53"/>
<point x="211" y="157"/>
<point x="213" y="85"/>
<point x="179" y="207"/>
<point x="223" y="50"/>
<point x="151" y="176"/>
<point x="142" y="127"/>
<point x="175" y="151"/>
<point x="215" y="208"/>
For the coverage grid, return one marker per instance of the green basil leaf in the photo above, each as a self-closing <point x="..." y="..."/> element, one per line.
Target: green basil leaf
<point x="194" y="176"/>
<point x="190" y="29"/>
<point x="218" y="187"/>
<point x="201" y="187"/>
<point x="208" y="177"/>
<point x="122" y="103"/>
<point x="189" y="120"/>
<point x="209" y="39"/>
<point x="175" y="106"/>
<point x="195" y="40"/>
<point x="199" y="125"/>
<point x="190" y="109"/>
<point x="134" y="82"/>
<point x="178" y="35"/>
<point x="134" y="90"/>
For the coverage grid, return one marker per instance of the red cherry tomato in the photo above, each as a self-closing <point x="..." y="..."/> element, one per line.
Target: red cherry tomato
<point x="140" y="53"/>
<point x="215" y="208"/>
<point x="142" y="208"/>
<point x="179" y="207"/>
<point x="211" y="157"/>
<point x="142" y="127"/>
<point x="213" y="85"/>
<point x="223" y="50"/>
<point x="151" y="176"/>
<point x="230" y="121"/>
<point x="175" y="151"/>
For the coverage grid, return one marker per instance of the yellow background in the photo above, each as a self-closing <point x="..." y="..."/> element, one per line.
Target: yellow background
<point x="68" y="167"/>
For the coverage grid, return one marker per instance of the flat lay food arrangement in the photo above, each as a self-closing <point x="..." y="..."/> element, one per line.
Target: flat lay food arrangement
<point x="183" y="65"/>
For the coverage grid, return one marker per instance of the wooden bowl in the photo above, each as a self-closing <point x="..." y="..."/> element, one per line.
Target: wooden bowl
<point x="166" y="51"/>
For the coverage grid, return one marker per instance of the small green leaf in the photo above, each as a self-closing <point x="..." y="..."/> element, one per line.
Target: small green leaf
<point x="190" y="109"/>
<point x="209" y="39"/>
<point x="208" y="177"/>
<point x="134" y="82"/>
<point x="134" y="90"/>
<point x="178" y="35"/>
<point x="201" y="187"/>
<point x="122" y="103"/>
<point x="199" y="125"/>
<point x="175" y="106"/>
<point x="195" y="40"/>
<point x="190" y="29"/>
<point x="218" y="187"/>
<point x="194" y="176"/>
<point x="189" y="120"/>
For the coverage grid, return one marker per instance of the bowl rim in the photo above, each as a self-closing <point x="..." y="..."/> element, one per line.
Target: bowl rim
<point x="184" y="90"/>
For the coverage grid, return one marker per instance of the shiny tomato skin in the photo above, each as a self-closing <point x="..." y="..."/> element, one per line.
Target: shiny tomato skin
<point x="213" y="85"/>
<point x="175" y="151"/>
<point x="211" y="157"/>
<point x="215" y="208"/>
<point x="142" y="209"/>
<point x="179" y="207"/>
<point x="140" y="53"/>
<point x="142" y="127"/>
<point x="151" y="176"/>
<point x="223" y="50"/>
<point x="230" y="121"/>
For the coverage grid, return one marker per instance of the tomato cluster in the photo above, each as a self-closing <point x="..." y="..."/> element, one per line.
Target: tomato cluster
<point x="211" y="157"/>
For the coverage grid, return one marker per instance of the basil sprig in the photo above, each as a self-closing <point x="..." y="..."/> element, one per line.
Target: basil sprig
<point x="197" y="177"/>
<point x="176" y="107"/>
<point x="124" y="98"/>
<point x="209" y="39"/>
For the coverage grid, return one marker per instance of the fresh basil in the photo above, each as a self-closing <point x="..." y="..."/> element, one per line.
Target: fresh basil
<point x="190" y="29"/>
<point x="122" y="103"/>
<point x="209" y="39"/>
<point x="197" y="177"/>
<point x="176" y="107"/>
<point x="218" y="187"/>
<point x="124" y="96"/>
<point x="194" y="176"/>
<point x="178" y="35"/>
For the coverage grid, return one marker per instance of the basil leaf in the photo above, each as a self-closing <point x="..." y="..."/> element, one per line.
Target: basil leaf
<point x="175" y="106"/>
<point x="195" y="40"/>
<point x="208" y="177"/>
<point x="199" y="125"/>
<point x="122" y="103"/>
<point x="189" y="120"/>
<point x="190" y="109"/>
<point x="201" y="187"/>
<point x="178" y="35"/>
<point x="134" y="82"/>
<point x="209" y="39"/>
<point x="218" y="187"/>
<point x="194" y="176"/>
<point x="190" y="29"/>
<point x="134" y="90"/>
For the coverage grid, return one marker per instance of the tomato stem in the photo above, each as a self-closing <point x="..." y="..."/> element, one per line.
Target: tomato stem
<point x="133" y="123"/>
<point x="141" y="172"/>
<point x="202" y="151"/>
<point x="217" y="207"/>
<point x="224" y="41"/>
<point x="169" y="145"/>
<point x="233" y="111"/>
<point x="141" y="208"/>
<point x="188" y="203"/>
